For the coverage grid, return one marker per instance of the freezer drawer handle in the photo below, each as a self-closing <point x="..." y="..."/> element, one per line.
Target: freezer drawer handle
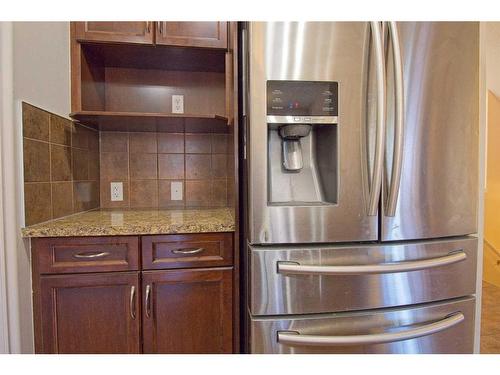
<point x="294" y="338"/>
<point x="295" y="268"/>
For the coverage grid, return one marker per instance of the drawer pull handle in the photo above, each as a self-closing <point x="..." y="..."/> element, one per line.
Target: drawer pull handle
<point x="91" y="255"/>
<point x="294" y="338"/>
<point x="295" y="268"/>
<point x="188" y="251"/>
<point x="148" y="301"/>
<point x="132" y="302"/>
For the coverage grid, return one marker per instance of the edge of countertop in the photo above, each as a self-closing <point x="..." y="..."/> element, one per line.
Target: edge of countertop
<point x="222" y="220"/>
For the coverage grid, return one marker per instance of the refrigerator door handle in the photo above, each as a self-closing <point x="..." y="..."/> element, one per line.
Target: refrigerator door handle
<point x="295" y="268"/>
<point x="294" y="338"/>
<point x="397" y="160"/>
<point x="376" y="182"/>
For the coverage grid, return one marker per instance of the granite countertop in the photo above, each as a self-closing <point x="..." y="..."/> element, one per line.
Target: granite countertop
<point x="135" y="222"/>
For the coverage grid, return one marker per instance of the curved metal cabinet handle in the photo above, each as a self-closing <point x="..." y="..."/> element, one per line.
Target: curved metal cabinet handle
<point x="188" y="251"/>
<point x="91" y="255"/>
<point x="290" y="268"/>
<point x="293" y="338"/>
<point x="132" y="302"/>
<point x="148" y="301"/>
<point x="397" y="160"/>
<point x="148" y="27"/>
<point x="380" y="133"/>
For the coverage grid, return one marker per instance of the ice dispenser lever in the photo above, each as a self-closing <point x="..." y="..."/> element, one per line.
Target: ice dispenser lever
<point x="292" y="150"/>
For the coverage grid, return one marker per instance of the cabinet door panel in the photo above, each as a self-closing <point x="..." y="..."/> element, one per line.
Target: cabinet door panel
<point x="125" y="32"/>
<point x="187" y="311"/>
<point x="91" y="313"/>
<point x="192" y="34"/>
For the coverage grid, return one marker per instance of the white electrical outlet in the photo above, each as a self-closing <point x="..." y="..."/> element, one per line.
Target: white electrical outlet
<point x="116" y="191"/>
<point x="176" y="191"/>
<point x="177" y="103"/>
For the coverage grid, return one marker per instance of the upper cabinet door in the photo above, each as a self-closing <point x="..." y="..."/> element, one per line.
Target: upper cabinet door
<point x="122" y="32"/>
<point x="192" y="34"/>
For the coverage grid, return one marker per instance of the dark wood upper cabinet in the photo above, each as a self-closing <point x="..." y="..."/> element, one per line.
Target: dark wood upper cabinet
<point x="89" y="313"/>
<point x="192" y="34"/>
<point x="120" y="32"/>
<point x="183" y="34"/>
<point x="187" y="311"/>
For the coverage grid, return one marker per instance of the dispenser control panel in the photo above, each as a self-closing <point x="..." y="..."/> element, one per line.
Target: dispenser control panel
<point x="302" y="101"/>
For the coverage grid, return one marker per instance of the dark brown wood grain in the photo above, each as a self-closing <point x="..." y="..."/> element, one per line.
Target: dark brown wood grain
<point x="71" y="255"/>
<point x="161" y="252"/>
<point x="89" y="313"/>
<point x="190" y="311"/>
<point x="192" y="34"/>
<point x="118" y="32"/>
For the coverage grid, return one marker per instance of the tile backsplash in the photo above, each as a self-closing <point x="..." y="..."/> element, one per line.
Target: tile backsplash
<point x="61" y="166"/>
<point x="147" y="163"/>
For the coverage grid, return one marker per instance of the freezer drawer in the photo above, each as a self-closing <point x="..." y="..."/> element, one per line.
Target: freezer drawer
<point x="322" y="279"/>
<point x="443" y="327"/>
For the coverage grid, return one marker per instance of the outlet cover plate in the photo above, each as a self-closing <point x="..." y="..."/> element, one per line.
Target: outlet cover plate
<point x="176" y="191"/>
<point x="116" y="191"/>
<point x="177" y="103"/>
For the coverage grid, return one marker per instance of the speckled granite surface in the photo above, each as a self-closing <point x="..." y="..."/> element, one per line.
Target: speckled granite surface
<point x="130" y="222"/>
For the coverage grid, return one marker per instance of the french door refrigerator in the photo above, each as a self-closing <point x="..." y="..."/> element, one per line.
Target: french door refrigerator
<point x="360" y="159"/>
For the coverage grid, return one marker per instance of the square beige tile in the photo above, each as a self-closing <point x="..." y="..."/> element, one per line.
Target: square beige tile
<point x="60" y="163"/>
<point x="219" y="193"/>
<point x="198" y="166"/>
<point x="94" y="165"/>
<point x="219" y="143"/>
<point x="143" y="193"/>
<point x="62" y="202"/>
<point x="35" y="122"/>
<point x="142" y="143"/>
<point x="80" y="164"/>
<point x="171" y="143"/>
<point x="80" y="136"/>
<point x="114" y="142"/>
<point x="93" y="140"/>
<point x="36" y="161"/>
<point x="198" y="193"/>
<point x="60" y="130"/>
<point x="198" y="143"/>
<point x="171" y="166"/>
<point x="143" y="166"/>
<point x="219" y="165"/>
<point x="85" y="195"/>
<point x="37" y="203"/>
<point x="164" y="195"/>
<point x="114" y="166"/>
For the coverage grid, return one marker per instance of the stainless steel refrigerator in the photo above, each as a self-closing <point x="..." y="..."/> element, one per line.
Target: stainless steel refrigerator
<point x="360" y="156"/>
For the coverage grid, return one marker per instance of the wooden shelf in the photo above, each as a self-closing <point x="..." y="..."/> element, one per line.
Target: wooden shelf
<point x="150" y="122"/>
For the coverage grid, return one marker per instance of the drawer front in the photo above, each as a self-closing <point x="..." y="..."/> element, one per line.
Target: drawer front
<point x="187" y="250"/>
<point x="86" y="254"/>
<point x="446" y="327"/>
<point x="322" y="279"/>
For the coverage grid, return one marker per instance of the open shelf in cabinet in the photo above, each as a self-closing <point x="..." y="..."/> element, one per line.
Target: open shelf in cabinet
<point x="147" y="121"/>
<point x="130" y="87"/>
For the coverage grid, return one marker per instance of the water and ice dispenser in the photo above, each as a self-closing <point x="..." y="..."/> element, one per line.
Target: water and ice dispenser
<point x="302" y="120"/>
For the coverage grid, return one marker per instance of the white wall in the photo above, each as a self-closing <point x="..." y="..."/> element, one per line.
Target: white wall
<point x="39" y="58"/>
<point x="489" y="80"/>
<point x="42" y="65"/>
<point x="492" y="54"/>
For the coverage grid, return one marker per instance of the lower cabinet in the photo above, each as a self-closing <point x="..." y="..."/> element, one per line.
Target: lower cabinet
<point x="187" y="311"/>
<point x="90" y="313"/>
<point x="78" y="309"/>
